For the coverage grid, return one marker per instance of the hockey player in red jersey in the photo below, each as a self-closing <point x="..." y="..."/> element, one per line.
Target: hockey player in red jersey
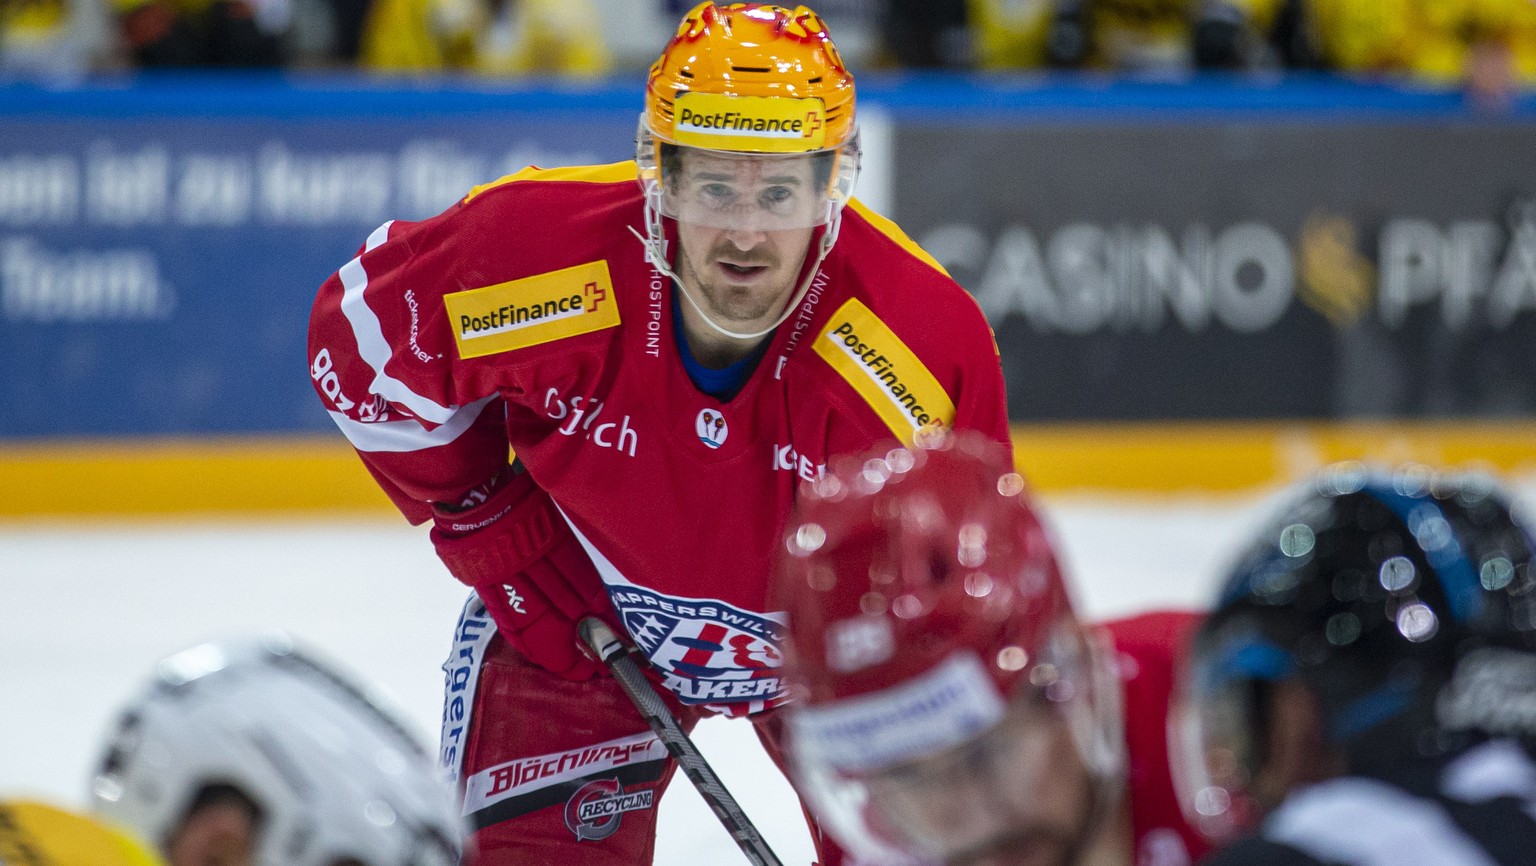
<point x="948" y="704"/>
<point x="669" y="346"/>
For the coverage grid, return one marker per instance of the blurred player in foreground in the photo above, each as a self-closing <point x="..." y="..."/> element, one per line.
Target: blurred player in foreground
<point x="252" y="753"/>
<point x="669" y="346"/>
<point x="1365" y="679"/>
<point x="35" y="834"/>
<point x="949" y="704"/>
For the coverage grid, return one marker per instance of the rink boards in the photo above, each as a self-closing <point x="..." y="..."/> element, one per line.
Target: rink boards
<point x="1194" y="287"/>
<point x="322" y="474"/>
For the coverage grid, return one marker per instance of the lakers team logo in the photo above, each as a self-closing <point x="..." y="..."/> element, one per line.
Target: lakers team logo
<point x="707" y="652"/>
<point x="596" y="808"/>
<point x="711" y="427"/>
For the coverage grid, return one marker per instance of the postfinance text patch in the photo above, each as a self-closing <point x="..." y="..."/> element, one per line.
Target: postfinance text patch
<point x="756" y="124"/>
<point x="532" y="310"/>
<point x="884" y="371"/>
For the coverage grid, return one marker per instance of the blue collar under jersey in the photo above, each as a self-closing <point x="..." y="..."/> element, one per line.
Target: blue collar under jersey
<point x="723" y="383"/>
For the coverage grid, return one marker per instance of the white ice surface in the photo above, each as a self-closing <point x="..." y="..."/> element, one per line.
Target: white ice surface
<point x="87" y="609"/>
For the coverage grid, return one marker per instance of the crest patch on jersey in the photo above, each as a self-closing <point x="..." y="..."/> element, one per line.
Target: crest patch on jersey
<point x="711" y="427"/>
<point x="533" y="310"/>
<point x="884" y="371"/>
<point x="708" y="652"/>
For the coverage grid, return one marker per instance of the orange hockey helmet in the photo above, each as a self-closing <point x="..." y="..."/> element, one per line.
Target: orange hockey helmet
<point x="753" y="78"/>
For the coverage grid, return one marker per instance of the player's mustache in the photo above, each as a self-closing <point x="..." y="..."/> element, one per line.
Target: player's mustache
<point x="745" y="258"/>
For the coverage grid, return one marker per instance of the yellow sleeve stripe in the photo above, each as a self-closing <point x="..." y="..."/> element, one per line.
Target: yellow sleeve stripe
<point x="884" y="371"/>
<point x="894" y="232"/>
<point x="616" y="172"/>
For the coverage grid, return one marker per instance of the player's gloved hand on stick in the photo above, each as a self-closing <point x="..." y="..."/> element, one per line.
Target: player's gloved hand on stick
<point x="506" y="540"/>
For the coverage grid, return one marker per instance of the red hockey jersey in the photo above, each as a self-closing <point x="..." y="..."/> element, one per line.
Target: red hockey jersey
<point x="528" y="315"/>
<point x="1148" y="649"/>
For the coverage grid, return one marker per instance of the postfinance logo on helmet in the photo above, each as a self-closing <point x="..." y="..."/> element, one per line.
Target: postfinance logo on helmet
<point x="748" y="81"/>
<point x="750" y="123"/>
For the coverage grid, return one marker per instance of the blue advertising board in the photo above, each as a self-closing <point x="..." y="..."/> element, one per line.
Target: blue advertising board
<point x="161" y="239"/>
<point x="158" y="257"/>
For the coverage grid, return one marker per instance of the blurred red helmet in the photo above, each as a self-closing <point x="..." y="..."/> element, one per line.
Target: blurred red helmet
<point x="925" y="606"/>
<point x="930" y="550"/>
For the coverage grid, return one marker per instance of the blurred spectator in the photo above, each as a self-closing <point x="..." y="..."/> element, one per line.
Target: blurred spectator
<point x="1487" y="45"/>
<point x="1141" y="35"/>
<point x="204" y="33"/>
<point x="494" y="37"/>
<point x="327" y="32"/>
<point x="53" y="38"/>
<point x="927" y="34"/>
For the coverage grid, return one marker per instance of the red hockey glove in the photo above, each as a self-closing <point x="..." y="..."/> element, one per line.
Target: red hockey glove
<point x="510" y="544"/>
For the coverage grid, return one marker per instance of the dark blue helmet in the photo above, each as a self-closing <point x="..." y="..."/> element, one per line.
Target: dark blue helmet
<point x="1374" y="592"/>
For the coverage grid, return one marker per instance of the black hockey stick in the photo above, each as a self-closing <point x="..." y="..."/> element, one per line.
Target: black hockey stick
<point x="614" y="653"/>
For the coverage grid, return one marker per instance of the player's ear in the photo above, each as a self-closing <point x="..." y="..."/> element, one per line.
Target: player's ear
<point x="1295" y="745"/>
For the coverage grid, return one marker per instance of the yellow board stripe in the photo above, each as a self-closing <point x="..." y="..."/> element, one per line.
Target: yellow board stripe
<point x="321" y="473"/>
<point x="1174" y="457"/>
<point x="884" y="371"/>
<point x="169" y="477"/>
<point x="532" y="310"/>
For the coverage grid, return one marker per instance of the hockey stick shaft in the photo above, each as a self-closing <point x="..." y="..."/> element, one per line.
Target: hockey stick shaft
<point x="613" y="652"/>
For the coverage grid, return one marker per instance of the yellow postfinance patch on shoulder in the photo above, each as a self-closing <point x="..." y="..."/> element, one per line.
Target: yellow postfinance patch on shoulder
<point x="884" y="371"/>
<point x="533" y="310"/>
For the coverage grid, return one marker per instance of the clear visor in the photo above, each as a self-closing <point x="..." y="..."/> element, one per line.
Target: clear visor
<point x="748" y="191"/>
<point x="1021" y="787"/>
<point x="1026" y="788"/>
<point x="1216" y="745"/>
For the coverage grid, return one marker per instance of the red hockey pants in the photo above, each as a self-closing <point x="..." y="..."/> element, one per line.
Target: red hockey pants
<point x="552" y="771"/>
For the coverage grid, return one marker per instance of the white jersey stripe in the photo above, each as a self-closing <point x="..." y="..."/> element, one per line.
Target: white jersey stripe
<point x="1363" y="822"/>
<point x="606" y="570"/>
<point x="408" y="434"/>
<point x="371" y="344"/>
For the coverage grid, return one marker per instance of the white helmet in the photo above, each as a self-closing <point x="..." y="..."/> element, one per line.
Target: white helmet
<point x="334" y="775"/>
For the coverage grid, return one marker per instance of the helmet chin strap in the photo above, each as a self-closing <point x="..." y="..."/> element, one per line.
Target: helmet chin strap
<point x="656" y="253"/>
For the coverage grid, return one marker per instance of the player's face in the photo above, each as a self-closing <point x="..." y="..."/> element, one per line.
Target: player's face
<point x="220" y="834"/>
<point x="744" y="227"/>
<point x="1017" y="796"/>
